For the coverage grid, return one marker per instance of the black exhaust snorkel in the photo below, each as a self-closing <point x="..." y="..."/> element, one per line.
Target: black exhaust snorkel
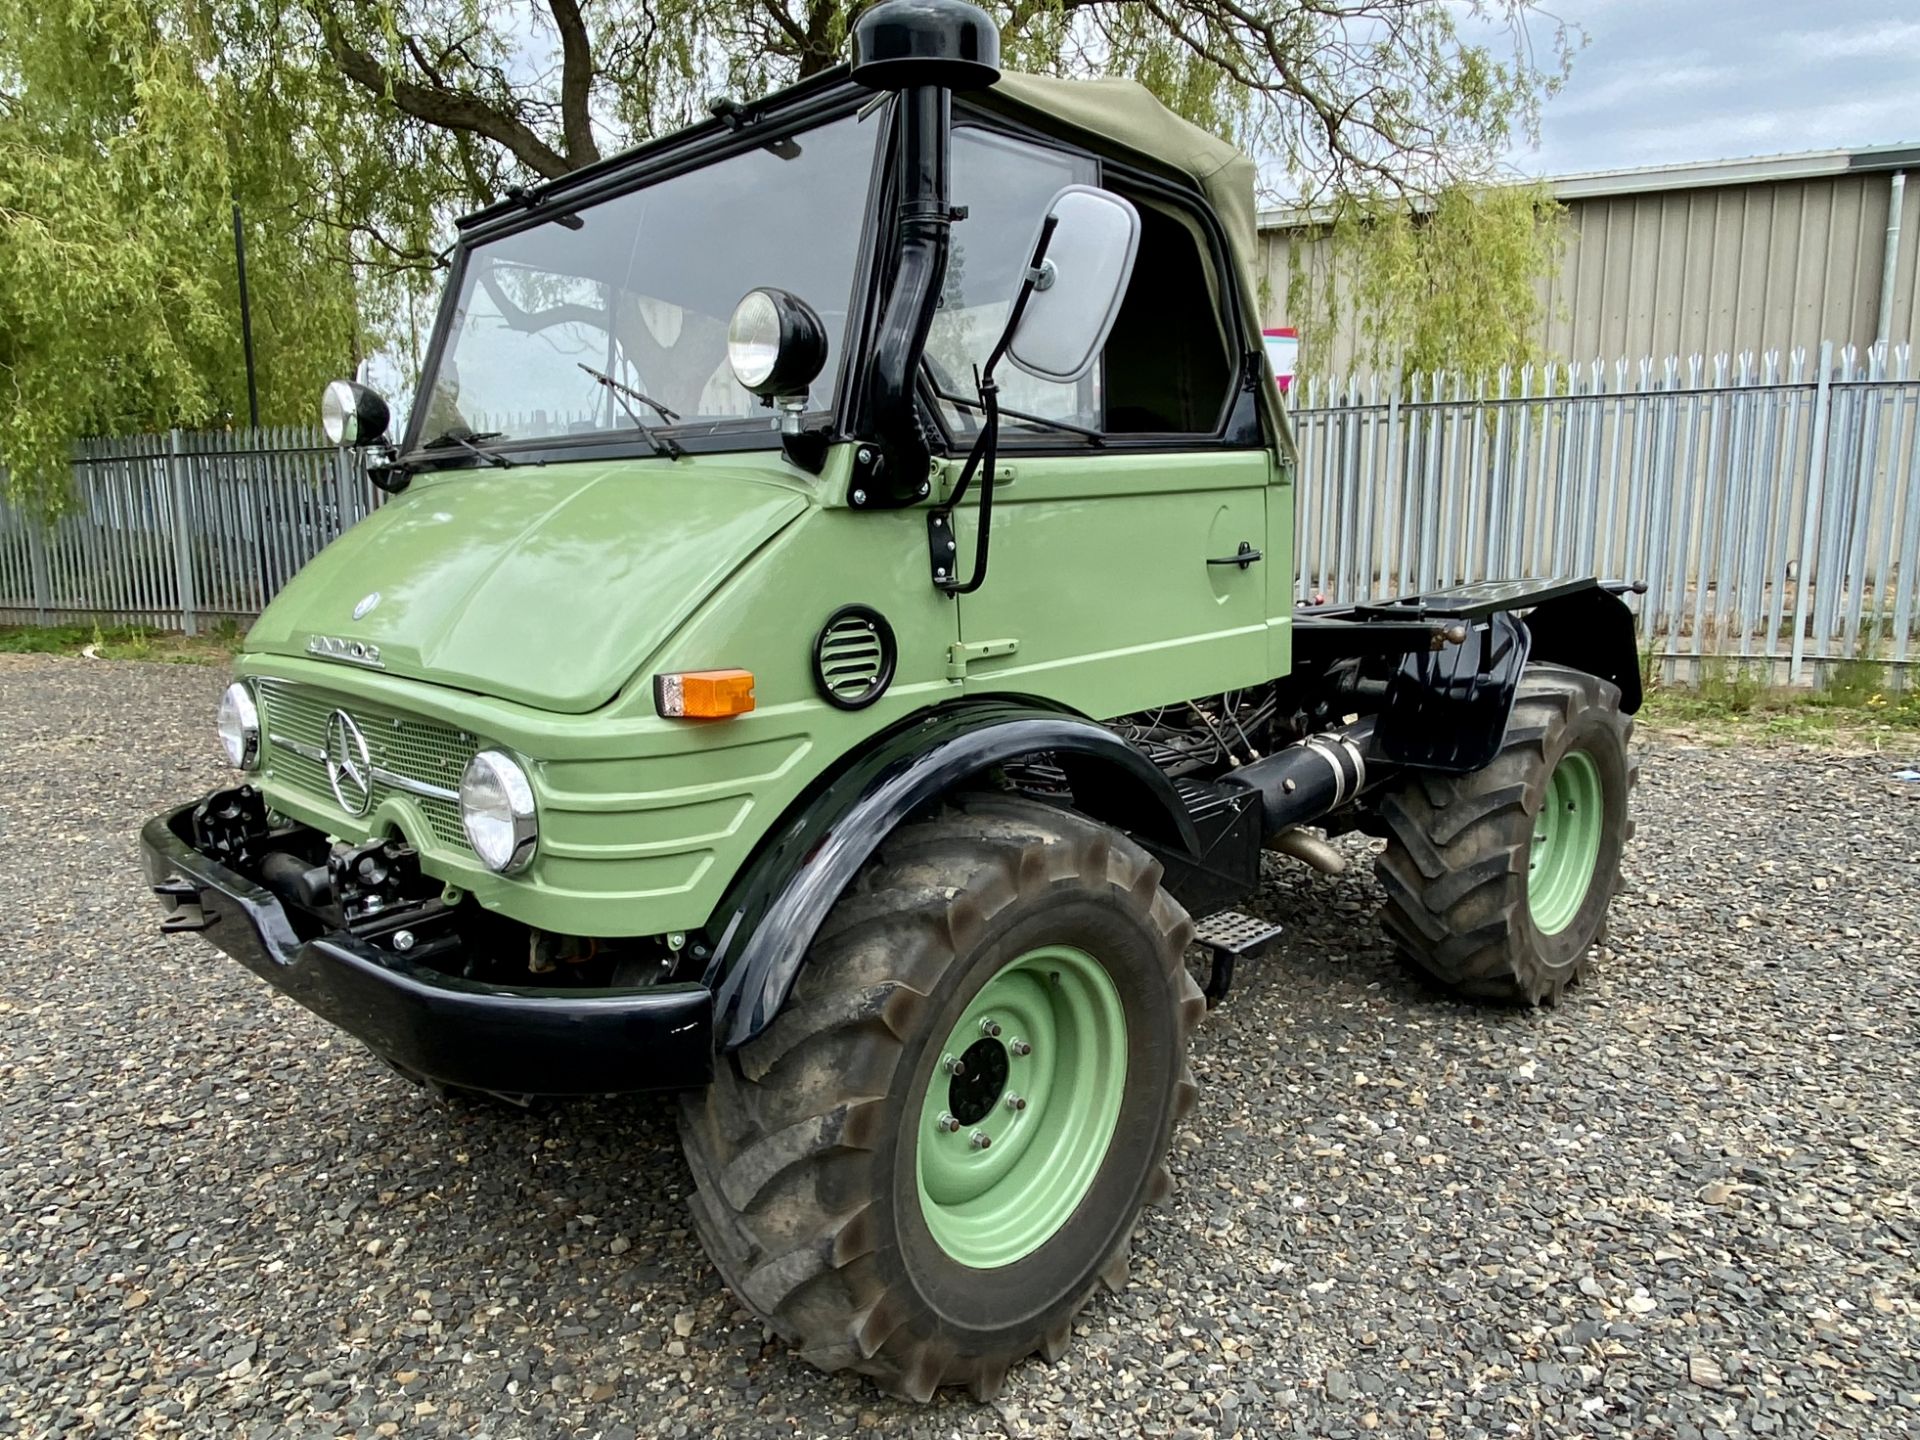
<point x="924" y="50"/>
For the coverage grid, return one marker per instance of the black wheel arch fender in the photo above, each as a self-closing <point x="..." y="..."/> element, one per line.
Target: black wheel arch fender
<point x="1591" y="630"/>
<point x="758" y="937"/>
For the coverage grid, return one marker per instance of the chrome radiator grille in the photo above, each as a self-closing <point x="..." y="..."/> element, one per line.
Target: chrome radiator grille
<point x="418" y="758"/>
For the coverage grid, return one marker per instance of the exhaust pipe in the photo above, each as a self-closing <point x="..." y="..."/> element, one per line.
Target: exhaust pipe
<point x="1308" y="849"/>
<point x="1313" y="777"/>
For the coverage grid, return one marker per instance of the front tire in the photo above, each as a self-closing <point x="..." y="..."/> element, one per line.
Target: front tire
<point x="1498" y="882"/>
<point x="842" y="1187"/>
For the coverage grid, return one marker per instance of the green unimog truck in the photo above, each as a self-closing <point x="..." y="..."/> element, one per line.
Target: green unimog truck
<point x="829" y="653"/>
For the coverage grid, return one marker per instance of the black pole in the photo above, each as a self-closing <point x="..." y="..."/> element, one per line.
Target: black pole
<point x="246" y="316"/>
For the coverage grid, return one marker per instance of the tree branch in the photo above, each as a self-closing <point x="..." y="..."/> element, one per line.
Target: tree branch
<point x="576" y="82"/>
<point x="450" y="109"/>
<point x="777" y="13"/>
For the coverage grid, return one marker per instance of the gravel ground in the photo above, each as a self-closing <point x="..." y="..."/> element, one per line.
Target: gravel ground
<point x="1682" y="1204"/>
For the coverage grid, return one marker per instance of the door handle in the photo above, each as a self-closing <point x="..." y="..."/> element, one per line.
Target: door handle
<point x="1243" y="557"/>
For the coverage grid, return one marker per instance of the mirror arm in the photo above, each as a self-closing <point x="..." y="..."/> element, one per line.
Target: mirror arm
<point x="940" y="538"/>
<point x="1028" y="284"/>
<point x="942" y="548"/>
<point x="1044" y="422"/>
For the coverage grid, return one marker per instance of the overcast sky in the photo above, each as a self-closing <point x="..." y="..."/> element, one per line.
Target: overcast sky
<point x="1667" y="81"/>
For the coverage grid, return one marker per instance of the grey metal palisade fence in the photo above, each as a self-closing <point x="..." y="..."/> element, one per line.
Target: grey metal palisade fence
<point x="1771" y="503"/>
<point x="175" y="530"/>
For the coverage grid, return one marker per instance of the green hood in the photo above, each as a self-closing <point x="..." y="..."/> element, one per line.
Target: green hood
<point x="549" y="586"/>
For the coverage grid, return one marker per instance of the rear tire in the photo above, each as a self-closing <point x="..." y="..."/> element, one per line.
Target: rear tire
<point x="831" y="1193"/>
<point x="1498" y="882"/>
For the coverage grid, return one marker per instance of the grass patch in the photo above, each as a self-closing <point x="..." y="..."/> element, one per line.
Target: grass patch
<point x="213" y="646"/>
<point x="1856" y="706"/>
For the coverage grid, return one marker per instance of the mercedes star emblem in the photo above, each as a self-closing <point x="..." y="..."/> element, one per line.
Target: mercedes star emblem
<point x="366" y="604"/>
<point x="349" y="764"/>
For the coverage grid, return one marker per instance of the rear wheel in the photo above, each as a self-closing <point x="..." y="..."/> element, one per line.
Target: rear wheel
<point x="1498" y="882"/>
<point x="938" y="1151"/>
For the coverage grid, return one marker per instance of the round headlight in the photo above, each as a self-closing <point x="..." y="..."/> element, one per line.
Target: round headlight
<point x="775" y="343"/>
<point x="351" y="414"/>
<point x="239" y="726"/>
<point x="496" y="811"/>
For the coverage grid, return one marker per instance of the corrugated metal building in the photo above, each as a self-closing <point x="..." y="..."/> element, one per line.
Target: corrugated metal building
<point x="1775" y="252"/>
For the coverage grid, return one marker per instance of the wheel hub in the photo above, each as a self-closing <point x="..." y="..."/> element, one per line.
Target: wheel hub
<point x="1566" y="843"/>
<point x="1021" y="1104"/>
<point x="979" y="1081"/>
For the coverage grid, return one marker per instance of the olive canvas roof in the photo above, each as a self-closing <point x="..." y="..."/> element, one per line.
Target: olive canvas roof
<point x="1125" y="113"/>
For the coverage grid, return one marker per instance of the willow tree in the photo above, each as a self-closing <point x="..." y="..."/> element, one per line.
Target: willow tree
<point x="1358" y="96"/>
<point x="125" y="139"/>
<point x="1365" y="107"/>
<point x="1455" y="281"/>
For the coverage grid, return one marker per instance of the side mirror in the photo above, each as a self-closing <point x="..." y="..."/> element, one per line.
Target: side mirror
<point x="351" y="414"/>
<point x="1087" y="244"/>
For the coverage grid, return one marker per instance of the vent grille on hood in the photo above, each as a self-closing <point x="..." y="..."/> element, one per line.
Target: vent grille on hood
<point x="853" y="657"/>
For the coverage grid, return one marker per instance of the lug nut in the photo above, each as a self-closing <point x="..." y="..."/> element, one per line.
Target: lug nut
<point x="1016" y="1102"/>
<point x="980" y="1140"/>
<point x="947" y="1122"/>
<point x="1020" y="1047"/>
<point x="859" y="497"/>
<point x="403" y="939"/>
<point x="954" y="1066"/>
<point x="990" y="1028"/>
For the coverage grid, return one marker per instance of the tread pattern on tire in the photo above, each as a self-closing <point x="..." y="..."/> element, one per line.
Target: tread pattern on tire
<point x="1455" y="866"/>
<point x="777" y="1143"/>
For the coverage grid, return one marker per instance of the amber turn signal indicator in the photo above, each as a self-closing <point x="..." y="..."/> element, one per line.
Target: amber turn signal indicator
<point x="703" y="694"/>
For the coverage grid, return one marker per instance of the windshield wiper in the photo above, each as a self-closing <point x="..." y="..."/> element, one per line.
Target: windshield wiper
<point x="623" y="393"/>
<point x="468" y="440"/>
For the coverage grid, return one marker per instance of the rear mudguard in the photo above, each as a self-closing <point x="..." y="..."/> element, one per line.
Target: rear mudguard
<point x="759" y="936"/>
<point x="1590" y="630"/>
<point x="1461" y="653"/>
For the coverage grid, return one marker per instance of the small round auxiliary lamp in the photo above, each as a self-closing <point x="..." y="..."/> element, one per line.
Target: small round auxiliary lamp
<point x="900" y="44"/>
<point x="776" y="346"/>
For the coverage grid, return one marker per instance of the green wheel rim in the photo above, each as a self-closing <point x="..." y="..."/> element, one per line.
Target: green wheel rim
<point x="1566" y="842"/>
<point x="1043" y="1091"/>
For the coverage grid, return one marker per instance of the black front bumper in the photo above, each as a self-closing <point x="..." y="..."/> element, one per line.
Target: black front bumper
<point x="507" y="1039"/>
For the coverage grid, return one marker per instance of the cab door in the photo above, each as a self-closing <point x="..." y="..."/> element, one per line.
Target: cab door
<point x="1122" y="582"/>
<point x="1127" y="566"/>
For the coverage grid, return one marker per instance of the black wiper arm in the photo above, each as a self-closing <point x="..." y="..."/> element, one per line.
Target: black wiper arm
<point x="1094" y="436"/>
<point x="623" y="393"/>
<point x="468" y="440"/>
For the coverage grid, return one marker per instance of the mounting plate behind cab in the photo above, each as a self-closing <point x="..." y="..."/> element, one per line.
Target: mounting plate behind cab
<point x="1447" y="709"/>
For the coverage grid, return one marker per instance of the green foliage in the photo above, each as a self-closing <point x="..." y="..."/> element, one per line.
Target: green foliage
<point x="125" y="136"/>
<point x="1456" y="284"/>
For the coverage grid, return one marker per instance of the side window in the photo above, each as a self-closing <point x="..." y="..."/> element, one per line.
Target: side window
<point x="1005" y="183"/>
<point x="1168" y="362"/>
<point x="1168" y="366"/>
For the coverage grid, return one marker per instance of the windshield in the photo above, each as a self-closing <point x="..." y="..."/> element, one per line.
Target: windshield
<point x="640" y="288"/>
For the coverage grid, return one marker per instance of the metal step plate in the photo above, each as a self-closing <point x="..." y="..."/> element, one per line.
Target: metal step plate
<point x="1232" y="936"/>
<point x="1241" y="936"/>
